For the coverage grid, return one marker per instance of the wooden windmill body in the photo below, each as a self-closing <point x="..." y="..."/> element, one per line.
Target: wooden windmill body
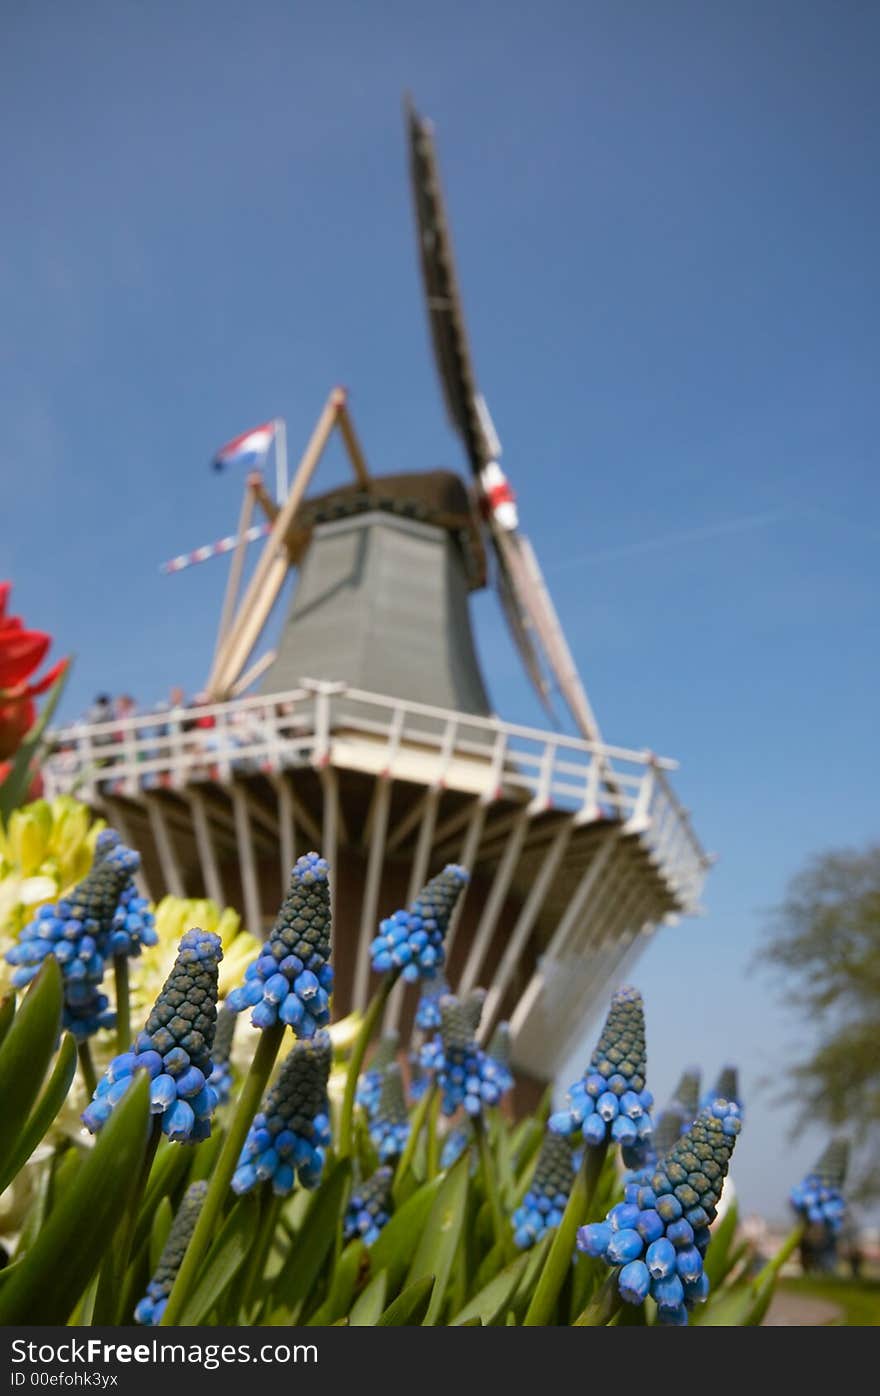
<point x="372" y="737"/>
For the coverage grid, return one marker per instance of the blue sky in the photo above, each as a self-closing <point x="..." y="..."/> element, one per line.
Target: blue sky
<point x="666" y="222"/>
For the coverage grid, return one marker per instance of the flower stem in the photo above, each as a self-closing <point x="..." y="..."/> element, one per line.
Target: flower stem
<point x="561" y="1251"/>
<point x="248" y="1104"/>
<point x="432" y="1164"/>
<point x="499" y="1225"/>
<point x="270" y="1207"/>
<point x="356" y="1061"/>
<point x="603" y="1306"/>
<point x="112" y="1293"/>
<point x="87" y="1066"/>
<point x="123" y="1009"/>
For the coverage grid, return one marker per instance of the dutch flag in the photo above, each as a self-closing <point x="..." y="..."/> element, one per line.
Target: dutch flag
<point x="249" y="449"/>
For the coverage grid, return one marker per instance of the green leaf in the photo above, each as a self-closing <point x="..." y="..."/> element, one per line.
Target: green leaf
<point x="719" y="1257"/>
<point x="400" y="1187"/>
<point x="162" y="1220"/>
<point x="410" y="1307"/>
<point x="44" y="1112"/>
<point x="393" y="1250"/>
<point x="368" y="1306"/>
<point x="494" y="1298"/>
<point x="169" y="1167"/>
<point x="313" y="1242"/>
<point x="222" y="1261"/>
<point x="26" y="1053"/>
<point x="7" y="1013"/>
<point x="80" y="1229"/>
<point x="346" y="1274"/>
<point x="439" y="1240"/>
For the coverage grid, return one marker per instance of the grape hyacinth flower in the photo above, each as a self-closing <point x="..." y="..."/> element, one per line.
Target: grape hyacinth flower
<point x="291" y="980"/>
<point x="369" y="1086"/>
<point x="818" y="1200"/>
<point x="290" y="1134"/>
<point x="389" y="1127"/>
<point x="543" y="1205"/>
<point x="725" y="1088"/>
<point x="498" y="1053"/>
<point x="428" y="1011"/>
<point x="454" y="1145"/>
<point x="174" y="1048"/>
<point x="221" y="1070"/>
<point x="671" y="1124"/>
<point x="464" y="1073"/>
<point x="151" y="1308"/>
<point x="411" y="942"/>
<point x="75" y="930"/>
<point x="133" y="925"/>
<point x="419" y="1078"/>
<point x="369" y="1207"/>
<point x="611" y="1103"/>
<point x="657" y="1237"/>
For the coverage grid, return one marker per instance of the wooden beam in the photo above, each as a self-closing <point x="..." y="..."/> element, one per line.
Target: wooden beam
<point x="247" y="863"/>
<point x="353" y="446"/>
<point x="165" y="848"/>
<point x="378" y="828"/>
<point x="518" y="939"/>
<point x="253" y="673"/>
<point x="236" y="566"/>
<point x="286" y="829"/>
<point x="493" y="905"/>
<point x="271" y="569"/>
<point x="205" y="845"/>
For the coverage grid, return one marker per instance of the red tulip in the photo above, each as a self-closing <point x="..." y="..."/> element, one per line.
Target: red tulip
<point x="21" y="653"/>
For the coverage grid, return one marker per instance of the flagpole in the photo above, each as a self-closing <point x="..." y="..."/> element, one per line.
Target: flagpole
<point x="280" y="460"/>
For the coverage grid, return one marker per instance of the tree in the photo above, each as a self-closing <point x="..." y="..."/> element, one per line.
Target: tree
<point x="825" y="945"/>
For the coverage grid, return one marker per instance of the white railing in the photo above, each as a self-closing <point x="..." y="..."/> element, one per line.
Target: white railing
<point x="323" y="722"/>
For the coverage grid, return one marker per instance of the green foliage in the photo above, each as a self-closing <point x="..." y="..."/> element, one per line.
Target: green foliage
<point x="825" y="944"/>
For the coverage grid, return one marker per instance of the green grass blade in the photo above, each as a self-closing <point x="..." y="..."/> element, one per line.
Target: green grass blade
<point x="393" y="1250"/>
<point x="44" y="1112"/>
<point x="369" y="1306"/>
<point x="313" y="1242"/>
<point x="62" y="1260"/>
<point x="493" y="1300"/>
<point x="222" y="1262"/>
<point x="438" y="1243"/>
<point x="410" y="1308"/>
<point x="26" y="1053"/>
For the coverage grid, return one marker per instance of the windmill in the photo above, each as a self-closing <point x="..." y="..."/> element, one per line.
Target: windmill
<point x="372" y="734"/>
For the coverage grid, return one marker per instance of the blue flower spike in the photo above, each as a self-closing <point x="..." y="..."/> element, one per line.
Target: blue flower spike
<point x="611" y="1103"/>
<point x="725" y="1088"/>
<point x="428" y="1011"/>
<point x="499" y="1054"/>
<point x="466" y="1076"/>
<point x="543" y="1205"/>
<point x="77" y="931"/>
<point x="411" y="942"/>
<point x="174" y="1048"/>
<point x="389" y="1127"/>
<point x="454" y="1145"/>
<point x="151" y="1308"/>
<point x="369" y="1207"/>
<point x="819" y="1203"/>
<point x="671" y="1124"/>
<point x="657" y="1237"/>
<point x="291" y="980"/>
<point x="289" y="1136"/>
<point x="369" y="1086"/>
<point x="221" y="1070"/>
<point x="133" y="926"/>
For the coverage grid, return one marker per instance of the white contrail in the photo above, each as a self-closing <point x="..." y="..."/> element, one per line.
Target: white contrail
<point x="669" y="540"/>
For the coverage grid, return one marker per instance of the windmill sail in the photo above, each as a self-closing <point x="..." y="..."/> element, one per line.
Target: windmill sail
<point x="530" y="613"/>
